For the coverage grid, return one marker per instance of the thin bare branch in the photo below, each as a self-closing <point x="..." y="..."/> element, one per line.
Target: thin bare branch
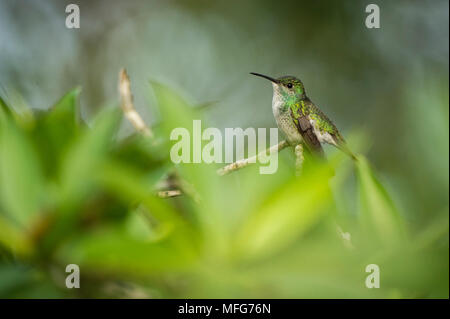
<point x="169" y="193"/>
<point x="246" y="161"/>
<point x="127" y="105"/>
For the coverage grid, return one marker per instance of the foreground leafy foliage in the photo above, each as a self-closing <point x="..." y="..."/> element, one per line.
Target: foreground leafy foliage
<point x="72" y="193"/>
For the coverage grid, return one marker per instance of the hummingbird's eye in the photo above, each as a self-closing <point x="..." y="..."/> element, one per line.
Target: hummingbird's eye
<point x="289" y="85"/>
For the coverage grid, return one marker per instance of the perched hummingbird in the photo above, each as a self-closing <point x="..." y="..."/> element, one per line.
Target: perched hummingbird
<point x="300" y="119"/>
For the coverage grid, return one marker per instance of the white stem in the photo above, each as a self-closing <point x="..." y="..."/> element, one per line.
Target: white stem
<point x="169" y="193"/>
<point x="128" y="107"/>
<point x="246" y="161"/>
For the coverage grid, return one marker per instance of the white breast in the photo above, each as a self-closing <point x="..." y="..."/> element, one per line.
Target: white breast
<point x="285" y="122"/>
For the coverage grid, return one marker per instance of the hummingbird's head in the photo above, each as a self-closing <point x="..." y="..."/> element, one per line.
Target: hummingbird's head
<point x="287" y="88"/>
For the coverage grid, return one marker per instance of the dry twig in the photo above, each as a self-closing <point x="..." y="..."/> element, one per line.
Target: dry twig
<point x="169" y="193"/>
<point x="127" y="105"/>
<point x="246" y="161"/>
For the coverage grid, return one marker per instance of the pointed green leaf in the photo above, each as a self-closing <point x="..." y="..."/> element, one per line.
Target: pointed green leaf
<point x="4" y="108"/>
<point x="77" y="175"/>
<point x="82" y="160"/>
<point x="13" y="237"/>
<point x="287" y="215"/>
<point x="174" y="109"/>
<point x="21" y="182"/>
<point x="63" y="118"/>
<point x="56" y="129"/>
<point x="379" y="215"/>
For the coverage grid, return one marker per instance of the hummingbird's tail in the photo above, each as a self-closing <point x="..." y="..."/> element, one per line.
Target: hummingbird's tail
<point x="344" y="148"/>
<point x="342" y="145"/>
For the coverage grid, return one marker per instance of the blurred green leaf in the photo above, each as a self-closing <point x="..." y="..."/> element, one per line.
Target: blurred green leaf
<point x="174" y="109"/>
<point x="142" y="152"/>
<point x="4" y="108"/>
<point x="12" y="278"/>
<point x="56" y="129"/>
<point x="19" y="281"/>
<point x="117" y="250"/>
<point x="19" y="109"/>
<point x="429" y="107"/>
<point x="82" y="160"/>
<point x="435" y="231"/>
<point x="22" y="188"/>
<point x="65" y="112"/>
<point x="77" y="176"/>
<point x="199" y="180"/>
<point x="379" y="216"/>
<point x="13" y="237"/>
<point x="129" y="186"/>
<point x="285" y="216"/>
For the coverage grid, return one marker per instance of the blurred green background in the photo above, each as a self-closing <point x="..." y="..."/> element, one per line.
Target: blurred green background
<point x="80" y="190"/>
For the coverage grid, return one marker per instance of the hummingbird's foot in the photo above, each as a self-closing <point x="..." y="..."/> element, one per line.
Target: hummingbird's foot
<point x="298" y="159"/>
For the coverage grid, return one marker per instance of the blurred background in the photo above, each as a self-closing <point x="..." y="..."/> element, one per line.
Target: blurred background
<point x="386" y="89"/>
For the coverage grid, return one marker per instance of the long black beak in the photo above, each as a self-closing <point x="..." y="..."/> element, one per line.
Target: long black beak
<point x="265" y="76"/>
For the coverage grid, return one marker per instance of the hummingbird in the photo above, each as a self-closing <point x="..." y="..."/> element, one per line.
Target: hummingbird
<point x="301" y="121"/>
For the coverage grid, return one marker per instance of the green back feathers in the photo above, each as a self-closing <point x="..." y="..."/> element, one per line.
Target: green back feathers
<point x="305" y="107"/>
<point x="295" y="98"/>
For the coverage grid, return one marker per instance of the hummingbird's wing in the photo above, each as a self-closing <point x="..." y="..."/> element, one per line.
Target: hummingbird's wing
<point x="330" y="133"/>
<point x="307" y="131"/>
